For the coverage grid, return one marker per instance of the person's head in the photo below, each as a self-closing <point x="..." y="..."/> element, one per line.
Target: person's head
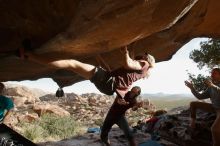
<point x="147" y="57"/>
<point x="215" y="74"/>
<point x="136" y="90"/>
<point x="134" y="95"/>
<point x="2" y="87"/>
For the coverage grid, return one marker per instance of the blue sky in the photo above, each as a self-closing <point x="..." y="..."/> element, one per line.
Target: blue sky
<point x="166" y="77"/>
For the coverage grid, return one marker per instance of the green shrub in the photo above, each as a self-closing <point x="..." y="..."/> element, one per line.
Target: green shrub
<point x="51" y="126"/>
<point x="99" y="122"/>
<point x="33" y="132"/>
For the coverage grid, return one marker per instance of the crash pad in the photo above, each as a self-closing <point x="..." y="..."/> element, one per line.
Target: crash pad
<point x="10" y="137"/>
<point x="150" y="143"/>
<point x="94" y="130"/>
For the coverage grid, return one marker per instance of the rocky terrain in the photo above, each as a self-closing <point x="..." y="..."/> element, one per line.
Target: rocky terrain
<point x="90" y="109"/>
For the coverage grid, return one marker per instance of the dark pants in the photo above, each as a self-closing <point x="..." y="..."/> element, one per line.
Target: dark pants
<point x="215" y="129"/>
<point x="194" y="105"/>
<point x="121" y="121"/>
<point x="103" y="81"/>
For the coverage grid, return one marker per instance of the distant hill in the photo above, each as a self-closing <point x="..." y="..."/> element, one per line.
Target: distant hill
<point x="169" y="101"/>
<point x="160" y="100"/>
<point x="167" y="96"/>
<point x="37" y="92"/>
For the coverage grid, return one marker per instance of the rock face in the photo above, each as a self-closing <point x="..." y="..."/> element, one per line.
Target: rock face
<point x="86" y="30"/>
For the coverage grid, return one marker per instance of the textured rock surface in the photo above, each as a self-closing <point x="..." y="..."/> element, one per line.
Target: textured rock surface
<point x="85" y="29"/>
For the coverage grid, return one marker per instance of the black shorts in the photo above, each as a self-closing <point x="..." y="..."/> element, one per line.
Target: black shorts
<point x="103" y="81"/>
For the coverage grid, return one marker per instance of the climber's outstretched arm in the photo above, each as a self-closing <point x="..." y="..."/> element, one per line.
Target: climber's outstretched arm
<point x="83" y="69"/>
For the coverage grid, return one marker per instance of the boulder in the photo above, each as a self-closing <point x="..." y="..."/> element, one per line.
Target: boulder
<point x="48" y="108"/>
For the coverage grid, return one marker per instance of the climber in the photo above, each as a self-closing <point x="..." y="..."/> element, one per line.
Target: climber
<point x="212" y="92"/>
<point x="107" y="82"/>
<point x="116" y="115"/>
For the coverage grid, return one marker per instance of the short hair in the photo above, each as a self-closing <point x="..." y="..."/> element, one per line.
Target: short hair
<point x="147" y="57"/>
<point x="138" y="88"/>
<point x="216" y="69"/>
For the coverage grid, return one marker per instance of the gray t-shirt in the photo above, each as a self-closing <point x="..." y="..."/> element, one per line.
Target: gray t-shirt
<point x="211" y="92"/>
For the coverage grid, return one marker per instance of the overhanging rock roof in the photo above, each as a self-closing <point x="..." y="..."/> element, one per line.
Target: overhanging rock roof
<point x="88" y="29"/>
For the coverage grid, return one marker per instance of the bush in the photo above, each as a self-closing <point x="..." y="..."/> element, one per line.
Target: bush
<point x="99" y="122"/>
<point x="51" y="126"/>
<point x="33" y="132"/>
